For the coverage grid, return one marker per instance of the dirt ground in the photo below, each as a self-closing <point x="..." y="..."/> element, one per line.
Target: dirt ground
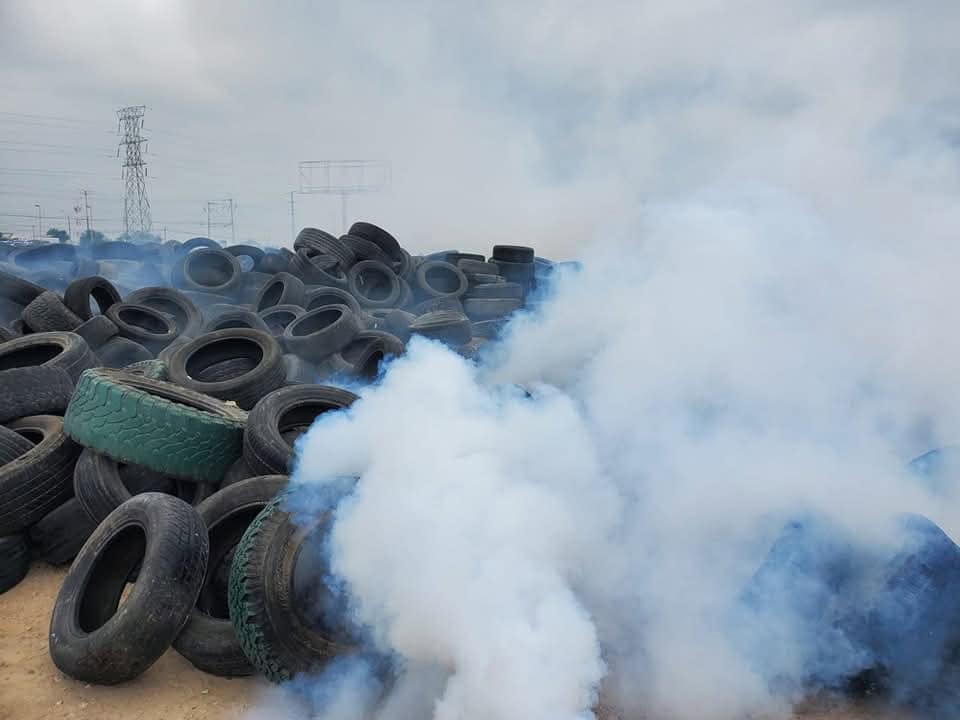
<point x="31" y="687"/>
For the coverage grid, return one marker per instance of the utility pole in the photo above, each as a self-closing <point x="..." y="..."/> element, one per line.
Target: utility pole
<point x="293" y="226"/>
<point x="344" y="178"/>
<point x="136" y="206"/>
<point x="69" y="229"/>
<point x="39" y="220"/>
<point x="220" y="215"/>
<point x="86" y="205"/>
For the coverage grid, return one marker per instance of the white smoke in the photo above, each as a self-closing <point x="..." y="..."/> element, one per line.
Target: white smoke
<point x="729" y="366"/>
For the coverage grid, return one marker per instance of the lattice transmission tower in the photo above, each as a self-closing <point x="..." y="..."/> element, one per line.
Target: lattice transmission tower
<point x="136" y="206"/>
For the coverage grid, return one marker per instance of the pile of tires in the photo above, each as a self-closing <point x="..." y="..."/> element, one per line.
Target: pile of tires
<point x="150" y="400"/>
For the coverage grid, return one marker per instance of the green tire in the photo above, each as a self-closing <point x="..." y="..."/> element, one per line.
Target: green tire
<point x="166" y="428"/>
<point x="263" y="603"/>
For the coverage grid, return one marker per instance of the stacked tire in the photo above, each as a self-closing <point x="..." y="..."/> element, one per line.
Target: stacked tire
<point x="151" y="399"/>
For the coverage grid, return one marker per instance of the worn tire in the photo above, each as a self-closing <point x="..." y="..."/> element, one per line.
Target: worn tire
<point x="144" y="325"/>
<point x="173" y="302"/>
<point x="150" y="369"/>
<point x="101" y="484"/>
<point x="267" y="442"/>
<point x="237" y="472"/>
<point x="490" y="308"/>
<point x="209" y="270"/>
<point x="97" y="331"/>
<point x="504" y="290"/>
<point x="78" y="294"/>
<point x="159" y="425"/>
<point x="40" y="479"/>
<point x="265" y="607"/>
<point x="450" y="328"/>
<point x="264" y="370"/>
<point x="52" y="349"/>
<point x="324" y="243"/>
<point x="34" y="390"/>
<point x="365" y="354"/>
<point x="14" y="560"/>
<point x="277" y="318"/>
<point x="58" y="536"/>
<point x="282" y="289"/>
<point x="89" y="639"/>
<point x="47" y="313"/>
<point x="226" y="317"/>
<point x="315" y="269"/>
<point x="317" y="334"/>
<point x="120" y="352"/>
<point x="435" y="279"/>
<point x="324" y="296"/>
<point x="513" y="253"/>
<point x="18" y="290"/>
<point x="208" y="640"/>
<point x="374" y="284"/>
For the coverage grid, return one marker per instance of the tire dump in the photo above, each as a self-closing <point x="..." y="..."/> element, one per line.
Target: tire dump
<point x="153" y="398"/>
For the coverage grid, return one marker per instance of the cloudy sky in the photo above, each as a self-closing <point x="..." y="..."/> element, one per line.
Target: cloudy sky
<point x="535" y="122"/>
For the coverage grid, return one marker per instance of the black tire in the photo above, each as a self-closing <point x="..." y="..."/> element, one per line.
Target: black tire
<point x="92" y="642"/>
<point x="475" y="279"/>
<point x="225" y="317"/>
<point x="237" y="472"/>
<point x="283" y="289"/>
<point x="324" y="243"/>
<point x="165" y="428"/>
<point x="379" y="237"/>
<point x="273" y="262"/>
<point x="396" y="322"/>
<point x="488" y="329"/>
<point x="101" y="484"/>
<point x="316" y="269"/>
<point x="374" y="284"/>
<point x="250" y="285"/>
<point x="364" y="249"/>
<point x="196" y="243"/>
<point x="173" y="302"/>
<point x="204" y="301"/>
<point x="264" y="373"/>
<point x="282" y="416"/>
<point x="268" y="607"/>
<point x="117" y="250"/>
<point x="436" y="279"/>
<point x="299" y="371"/>
<point x="277" y="318"/>
<point x="490" y="308"/>
<point x="513" y="253"/>
<point x="17" y="290"/>
<point x="10" y="312"/>
<point x="14" y="560"/>
<point x="365" y="354"/>
<point x="245" y="251"/>
<point x="43" y="256"/>
<point x="517" y="272"/>
<point x="325" y="296"/>
<point x="97" y="331"/>
<point x="39" y="390"/>
<point x="504" y="290"/>
<point x="450" y="328"/>
<point x="317" y="334"/>
<point x="165" y="354"/>
<point x="441" y="304"/>
<point x="52" y="349"/>
<point x="144" y="325"/>
<point x="477" y="267"/>
<point x="60" y="534"/>
<point x="208" y="640"/>
<point x="78" y="294"/>
<point x="120" y="352"/>
<point x="40" y="479"/>
<point x="12" y="445"/>
<point x="47" y="313"/>
<point x="207" y="270"/>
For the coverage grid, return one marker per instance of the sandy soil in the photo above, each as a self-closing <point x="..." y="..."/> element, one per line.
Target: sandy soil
<point x="31" y="687"/>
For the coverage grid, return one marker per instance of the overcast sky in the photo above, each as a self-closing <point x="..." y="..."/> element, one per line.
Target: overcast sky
<point x="533" y="122"/>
